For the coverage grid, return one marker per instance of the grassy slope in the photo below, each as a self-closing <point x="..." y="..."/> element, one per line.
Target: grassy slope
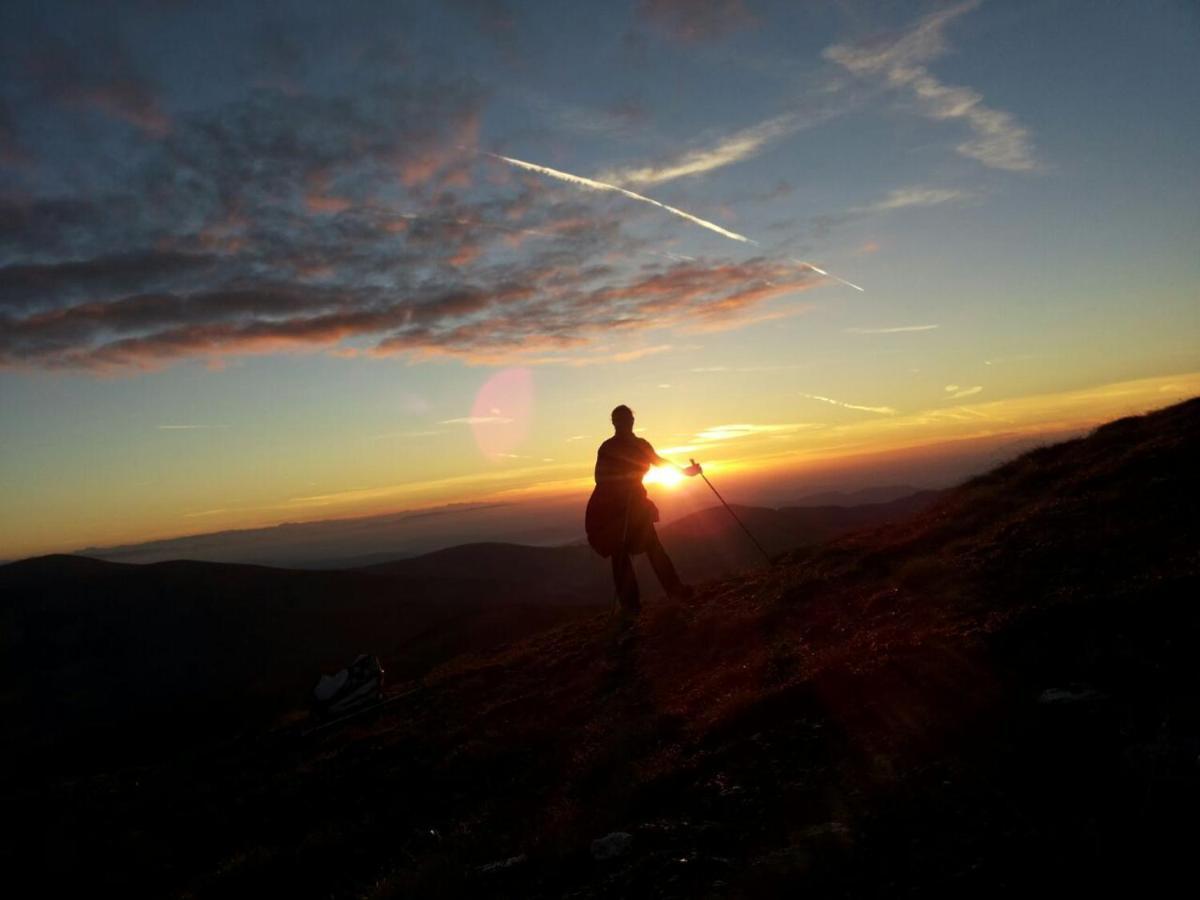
<point x="868" y="718"/>
<point x="135" y="660"/>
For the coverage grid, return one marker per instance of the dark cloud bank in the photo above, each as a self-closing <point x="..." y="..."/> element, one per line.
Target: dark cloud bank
<point x="294" y="221"/>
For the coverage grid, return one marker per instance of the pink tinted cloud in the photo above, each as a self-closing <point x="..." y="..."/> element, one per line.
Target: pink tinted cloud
<point x="545" y="313"/>
<point x="129" y="102"/>
<point x="117" y="92"/>
<point x="444" y="158"/>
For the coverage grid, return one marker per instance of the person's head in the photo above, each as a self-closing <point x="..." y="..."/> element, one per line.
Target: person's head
<point x="622" y="419"/>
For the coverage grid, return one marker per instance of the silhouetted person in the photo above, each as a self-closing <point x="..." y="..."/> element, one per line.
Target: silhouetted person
<point x="620" y="517"/>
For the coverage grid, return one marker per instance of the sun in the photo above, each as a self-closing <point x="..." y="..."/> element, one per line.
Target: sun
<point x="666" y="476"/>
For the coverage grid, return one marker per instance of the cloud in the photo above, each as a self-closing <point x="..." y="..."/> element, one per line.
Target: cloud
<point x="691" y="22"/>
<point x="105" y="81"/>
<point x="998" y="140"/>
<point x="285" y="222"/>
<point x="733" y="148"/>
<point x="779" y="368"/>
<point x="477" y="420"/>
<point x="22" y="284"/>
<point x="431" y="432"/>
<point x="880" y="410"/>
<point x="547" y="310"/>
<point x="129" y="101"/>
<point x="966" y="392"/>
<point x="822" y="226"/>
<point x="623" y="118"/>
<point x="741" y="430"/>
<point x="898" y="329"/>
<point x="900" y="198"/>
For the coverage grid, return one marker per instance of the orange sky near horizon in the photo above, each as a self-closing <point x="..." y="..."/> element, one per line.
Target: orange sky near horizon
<point x="415" y="260"/>
<point x="741" y="459"/>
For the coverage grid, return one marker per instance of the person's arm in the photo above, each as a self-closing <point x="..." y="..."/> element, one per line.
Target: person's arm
<point x="691" y="471"/>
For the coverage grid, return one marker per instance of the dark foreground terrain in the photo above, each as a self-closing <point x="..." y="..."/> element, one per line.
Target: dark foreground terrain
<point x="1000" y="694"/>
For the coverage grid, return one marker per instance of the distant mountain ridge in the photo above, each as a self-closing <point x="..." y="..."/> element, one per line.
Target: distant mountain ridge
<point x="346" y="543"/>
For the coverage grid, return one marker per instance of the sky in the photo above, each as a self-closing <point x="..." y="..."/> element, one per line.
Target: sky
<point x="283" y="262"/>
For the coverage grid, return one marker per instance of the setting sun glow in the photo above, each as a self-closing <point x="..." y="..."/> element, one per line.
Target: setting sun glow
<point x="667" y="476"/>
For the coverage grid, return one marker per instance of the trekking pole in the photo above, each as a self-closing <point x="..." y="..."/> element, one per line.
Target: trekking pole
<point x="729" y="509"/>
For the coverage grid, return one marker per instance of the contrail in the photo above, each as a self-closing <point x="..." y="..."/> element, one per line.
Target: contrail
<point x="594" y="185"/>
<point x="580" y="181"/>
<point x="820" y="271"/>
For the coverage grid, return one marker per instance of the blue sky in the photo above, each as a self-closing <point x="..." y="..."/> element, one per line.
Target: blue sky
<point x="289" y="228"/>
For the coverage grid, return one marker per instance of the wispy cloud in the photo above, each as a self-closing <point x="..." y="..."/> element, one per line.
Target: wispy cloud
<point x="897" y="329"/>
<point x="600" y="358"/>
<point x="208" y="512"/>
<point x="966" y="392"/>
<point x="477" y="420"/>
<point x="779" y="368"/>
<point x="407" y="434"/>
<point x="741" y="430"/>
<point x="733" y="148"/>
<point x="114" y="89"/>
<point x="901" y="198"/>
<point x="621" y="119"/>
<point x="881" y="410"/>
<point x="998" y="140"/>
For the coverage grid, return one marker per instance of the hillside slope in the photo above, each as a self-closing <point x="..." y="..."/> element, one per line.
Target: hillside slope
<point x="710" y="543"/>
<point x="162" y="653"/>
<point x="999" y="694"/>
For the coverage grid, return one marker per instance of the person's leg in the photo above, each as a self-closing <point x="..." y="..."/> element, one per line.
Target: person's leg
<point x="664" y="568"/>
<point x="626" y="583"/>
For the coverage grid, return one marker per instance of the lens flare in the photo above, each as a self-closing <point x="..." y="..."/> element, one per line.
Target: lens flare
<point x="502" y="412"/>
